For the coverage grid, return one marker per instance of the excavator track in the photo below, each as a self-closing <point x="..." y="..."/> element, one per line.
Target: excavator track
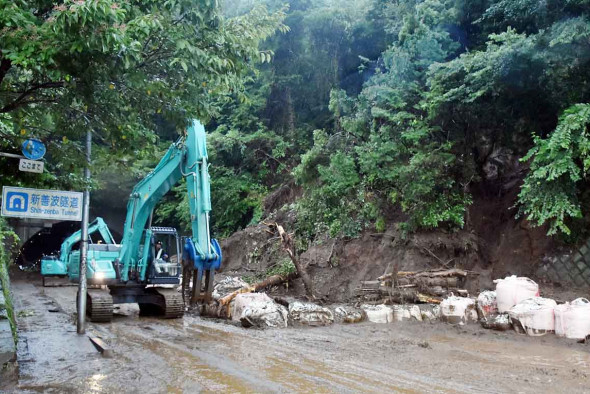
<point x="99" y="306"/>
<point x="173" y="304"/>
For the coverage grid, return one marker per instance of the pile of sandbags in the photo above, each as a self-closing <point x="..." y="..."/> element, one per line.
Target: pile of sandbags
<point x="516" y="304"/>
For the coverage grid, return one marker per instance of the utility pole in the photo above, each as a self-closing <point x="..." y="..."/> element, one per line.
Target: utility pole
<point x="82" y="287"/>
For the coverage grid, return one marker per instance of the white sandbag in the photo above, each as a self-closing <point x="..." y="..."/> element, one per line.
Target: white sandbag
<point x="378" y="313"/>
<point x="259" y="310"/>
<point x="401" y="313"/>
<point x="406" y="312"/>
<point x="349" y="314"/>
<point x="310" y="314"/>
<point x="512" y="290"/>
<point x="458" y="310"/>
<point x="499" y="322"/>
<point x="533" y="316"/>
<point x="430" y="312"/>
<point x="487" y="304"/>
<point x="572" y="320"/>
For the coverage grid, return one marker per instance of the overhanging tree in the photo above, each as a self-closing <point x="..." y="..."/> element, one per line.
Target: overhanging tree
<point x="117" y="68"/>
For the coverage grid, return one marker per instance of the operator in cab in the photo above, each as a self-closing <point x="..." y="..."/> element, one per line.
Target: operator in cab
<point x="160" y="253"/>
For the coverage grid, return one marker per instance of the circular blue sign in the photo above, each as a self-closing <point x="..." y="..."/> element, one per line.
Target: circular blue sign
<point x="33" y="149"/>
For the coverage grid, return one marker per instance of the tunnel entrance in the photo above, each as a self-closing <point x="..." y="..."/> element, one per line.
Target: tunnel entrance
<point x="47" y="241"/>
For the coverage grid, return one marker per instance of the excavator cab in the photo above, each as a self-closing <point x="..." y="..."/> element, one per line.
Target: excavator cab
<point x="164" y="255"/>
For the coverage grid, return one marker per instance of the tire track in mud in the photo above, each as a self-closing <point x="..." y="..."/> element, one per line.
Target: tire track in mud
<point x="268" y="365"/>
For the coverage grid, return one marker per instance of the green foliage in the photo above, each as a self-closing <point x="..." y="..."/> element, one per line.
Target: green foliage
<point x="283" y="268"/>
<point x="386" y="154"/>
<point x="117" y="68"/>
<point x="8" y="241"/>
<point x="560" y="163"/>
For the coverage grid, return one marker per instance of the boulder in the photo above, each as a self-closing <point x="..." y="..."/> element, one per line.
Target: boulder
<point x="309" y="314"/>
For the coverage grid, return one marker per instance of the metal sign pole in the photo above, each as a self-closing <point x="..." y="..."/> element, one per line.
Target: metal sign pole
<point x="82" y="287"/>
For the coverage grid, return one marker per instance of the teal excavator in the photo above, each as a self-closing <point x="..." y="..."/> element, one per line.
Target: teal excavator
<point x="68" y="259"/>
<point x="135" y="270"/>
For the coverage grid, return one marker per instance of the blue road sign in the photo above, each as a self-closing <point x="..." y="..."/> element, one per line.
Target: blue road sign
<point x="41" y="204"/>
<point x="33" y="149"/>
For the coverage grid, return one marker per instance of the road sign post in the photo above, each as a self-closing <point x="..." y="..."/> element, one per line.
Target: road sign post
<point x="82" y="286"/>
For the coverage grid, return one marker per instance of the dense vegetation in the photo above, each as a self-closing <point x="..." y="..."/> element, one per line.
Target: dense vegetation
<point x="119" y="69"/>
<point x="396" y="111"/>
<point x="381" y="111"/>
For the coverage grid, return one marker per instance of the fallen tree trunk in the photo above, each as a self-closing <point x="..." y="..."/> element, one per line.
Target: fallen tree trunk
<point x="289" y="246"/>
<point x="431" y="274"/>
<point x="403" y="296"/>
<point x="270" y="281"/>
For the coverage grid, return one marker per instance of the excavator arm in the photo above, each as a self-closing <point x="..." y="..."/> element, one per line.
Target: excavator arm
<point x="187" y="158"/>
<point x="57" y="266"/>
<point x="97" y="224"/>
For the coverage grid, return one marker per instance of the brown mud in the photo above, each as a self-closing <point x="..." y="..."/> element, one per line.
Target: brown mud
<point x="202" y="355"/>
<point x="494" y="243"/>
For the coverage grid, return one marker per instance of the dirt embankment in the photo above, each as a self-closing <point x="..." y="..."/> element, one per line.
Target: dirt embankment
<point x="493" y="243"/>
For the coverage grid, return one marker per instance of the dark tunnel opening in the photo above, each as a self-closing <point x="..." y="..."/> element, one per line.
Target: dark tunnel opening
<point x="48" y="241"/>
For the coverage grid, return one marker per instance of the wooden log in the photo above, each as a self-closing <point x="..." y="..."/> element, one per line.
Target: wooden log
<point x="270" y="281"/>
<point x="427" y="281"/>
<point x="412" y="296"/>
<point x="427" y="273"/>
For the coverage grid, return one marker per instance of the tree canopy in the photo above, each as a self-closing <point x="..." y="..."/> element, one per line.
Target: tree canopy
<point x="396" y="111"/>
<point x="120" y="69"/>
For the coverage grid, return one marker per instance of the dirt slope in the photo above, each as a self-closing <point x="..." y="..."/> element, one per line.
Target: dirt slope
<point x="493" y="243"/>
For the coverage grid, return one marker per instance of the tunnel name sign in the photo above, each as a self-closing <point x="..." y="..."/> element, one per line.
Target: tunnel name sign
<point x="21" y="202"/>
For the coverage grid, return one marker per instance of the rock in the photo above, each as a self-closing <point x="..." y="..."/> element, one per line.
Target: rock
<point x="378" y="313"/>
<point x="227" y="286"/>
<point x="349" y="314"/>
<point x="307" y="313"/>
<point x="259" y="310"/>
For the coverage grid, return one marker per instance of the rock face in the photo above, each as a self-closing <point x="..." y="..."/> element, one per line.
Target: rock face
<point x="259" y="310"/>
<point x="309" y="314"/>
<point x="338" y="266"/>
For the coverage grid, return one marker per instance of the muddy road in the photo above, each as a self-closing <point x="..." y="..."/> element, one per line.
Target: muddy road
<point x="191" y="355"/>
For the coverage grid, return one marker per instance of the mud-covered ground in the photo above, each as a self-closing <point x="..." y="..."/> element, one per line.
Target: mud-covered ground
<point x="201" y="355"/>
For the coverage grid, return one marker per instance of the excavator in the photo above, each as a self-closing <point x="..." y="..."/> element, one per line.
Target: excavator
<point x="134" y="271"/>
<point x="68" y="260"/>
